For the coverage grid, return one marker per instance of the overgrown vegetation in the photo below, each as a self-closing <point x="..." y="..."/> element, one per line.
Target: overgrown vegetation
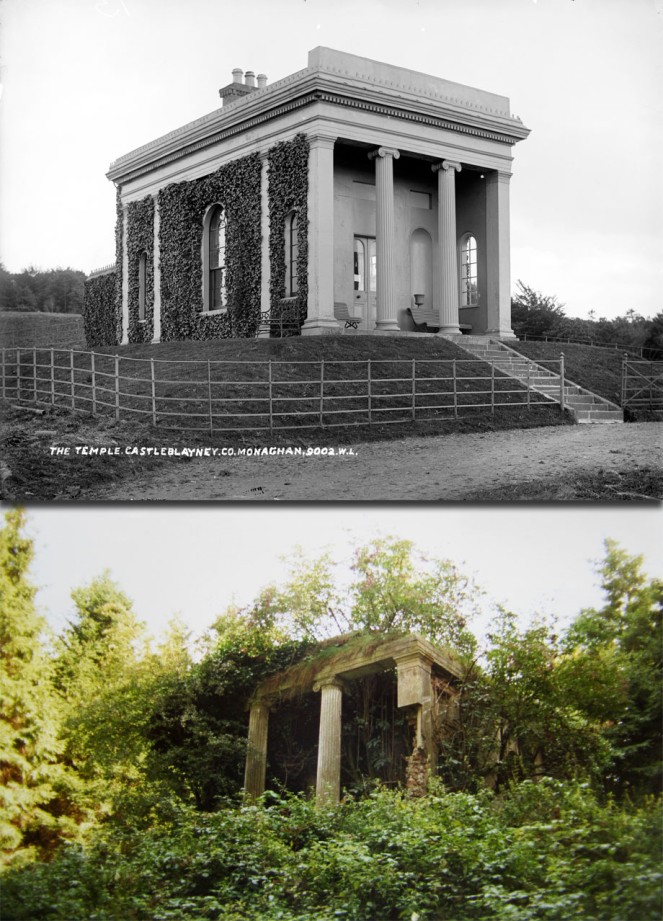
<point x="121" y="764"/>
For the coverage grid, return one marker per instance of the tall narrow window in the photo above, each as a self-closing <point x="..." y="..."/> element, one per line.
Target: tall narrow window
<point x="217" y="260"/>
<point x="469" y="291"/>
<point x="142" y="281"/>
<point x="291" y="254"/>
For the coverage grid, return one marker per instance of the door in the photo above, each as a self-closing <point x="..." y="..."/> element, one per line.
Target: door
<point x="365" y="261"/>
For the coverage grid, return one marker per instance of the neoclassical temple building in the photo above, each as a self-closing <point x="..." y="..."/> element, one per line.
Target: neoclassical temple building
<point x="351" y="196"/>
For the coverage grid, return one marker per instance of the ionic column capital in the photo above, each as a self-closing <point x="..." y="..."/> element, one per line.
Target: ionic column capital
<point x="446" y="165"/>
<point x="332" y="682"/>
<point x="384" y="152"/>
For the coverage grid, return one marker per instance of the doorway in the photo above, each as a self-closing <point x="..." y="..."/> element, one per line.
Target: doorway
<point x="365" y="273"/>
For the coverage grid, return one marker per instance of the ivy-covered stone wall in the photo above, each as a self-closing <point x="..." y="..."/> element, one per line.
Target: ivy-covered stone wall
<point x="140" y="239"/>
<point x="119" y="241"/>
<point x="182" y="207"/>
<point x="99" y="310"/>
<point x="288" y="191"/>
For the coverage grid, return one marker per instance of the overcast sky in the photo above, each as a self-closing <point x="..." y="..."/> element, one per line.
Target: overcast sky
<point x="196" y="561"/>
<point x="85" y="81"/>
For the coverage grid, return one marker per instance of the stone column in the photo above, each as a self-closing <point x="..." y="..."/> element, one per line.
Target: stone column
<point x="320" y="308"/>
<point x="385" y="237"/>
<point x="447" y="255"/>
<point x="328" y="782"/>
<point x="125" y="276"/>
<point x="256" y="753"/>
<point x="498" y="267"/>
<point x="156" y="269"/>
<point x="415" y="689"/>
<point x="265" y="265"/>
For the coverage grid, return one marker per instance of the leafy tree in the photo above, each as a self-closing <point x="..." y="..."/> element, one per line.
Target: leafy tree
<point x="391" y="588"/>
<point x="535" y="314"/>
<point x="629" y="630"/>
<point x="37" y="791"/>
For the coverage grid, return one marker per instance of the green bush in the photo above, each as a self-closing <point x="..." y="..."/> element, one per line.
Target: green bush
<point x="545" y="851"/>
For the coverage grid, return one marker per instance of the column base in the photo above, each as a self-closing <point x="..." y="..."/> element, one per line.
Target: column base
<point x="446" y="331"/>
<point x="264" y="331"/>
<point x="321" y="327"/>
<point x="385" y="326"/>
<point x="501" y="333"/>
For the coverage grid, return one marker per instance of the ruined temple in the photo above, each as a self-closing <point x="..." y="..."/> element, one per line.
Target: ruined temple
<point x="416" y="682"/>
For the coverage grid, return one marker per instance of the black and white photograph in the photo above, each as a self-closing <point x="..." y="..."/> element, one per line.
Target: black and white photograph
<point x="308" y="251"/>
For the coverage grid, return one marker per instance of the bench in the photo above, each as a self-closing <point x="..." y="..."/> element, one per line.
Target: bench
<point x="430" y="322"/>
<point x="284" y="317"/>
<point x="341" y="312"/>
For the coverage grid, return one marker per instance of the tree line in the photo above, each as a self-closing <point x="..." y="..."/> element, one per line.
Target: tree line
<point x="112" y="749"/>
<point x="60" y="290"/>
<point x="538" y="315"/>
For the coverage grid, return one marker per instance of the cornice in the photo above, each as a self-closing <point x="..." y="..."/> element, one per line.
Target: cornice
<point x="308" y="87"/>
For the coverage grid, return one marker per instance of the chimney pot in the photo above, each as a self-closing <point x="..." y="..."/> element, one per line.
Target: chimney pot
<point x="249" y="78"/>
<point x="262" y="81"/>
<point x="237" y="75"/>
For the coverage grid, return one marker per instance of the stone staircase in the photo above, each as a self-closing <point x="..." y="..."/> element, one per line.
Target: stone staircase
<point x="584" y="405"/>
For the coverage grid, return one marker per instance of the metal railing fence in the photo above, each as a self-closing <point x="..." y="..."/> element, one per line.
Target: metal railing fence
<point x="642" y="384"/>
<point x="222" y="396"/>
<point x="633" y="350"/>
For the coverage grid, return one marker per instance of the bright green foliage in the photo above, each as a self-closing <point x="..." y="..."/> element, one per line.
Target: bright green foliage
<point x="392" y="588"/>
<point x="543" y="851"/>
<point x="628" y="631"/>
<point x="36" y="790"/>
<point x="108" y="682"/>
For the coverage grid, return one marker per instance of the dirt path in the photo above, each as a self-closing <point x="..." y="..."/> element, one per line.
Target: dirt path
<point x="447" y="468"/>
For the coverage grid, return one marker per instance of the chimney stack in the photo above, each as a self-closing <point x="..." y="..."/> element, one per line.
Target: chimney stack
<point x="262" y="81"/>
<point x="235" y="90"/>
<point x="250" y="78"/>
<point x="238" y="73"/>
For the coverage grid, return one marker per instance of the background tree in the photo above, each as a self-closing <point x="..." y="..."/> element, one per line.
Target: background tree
<point x="38" y="793"/>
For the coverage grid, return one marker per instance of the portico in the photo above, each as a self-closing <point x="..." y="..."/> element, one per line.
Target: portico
<point x="418" y="664"/>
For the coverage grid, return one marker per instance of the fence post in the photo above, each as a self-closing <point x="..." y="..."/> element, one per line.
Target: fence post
<point x="52" y="377"/>
<point x="414" y="390"/>
<point x="154" y="393"/>
<point x="453" y="371"/>
<point x="529" y="390"/>
<point x="492" y="388"/>
<point x="624" y="377"/>
<point x="322" y="391"/>
<point x="271" y="404"/>
<point x="94" y="384"/>
<point x="4" y="389"/>
<point x="209" y="395"/>
<point x="71" y="378"/>
<point x="117" y="388"/>
<point x="34" y="372"/>
<point x="18" y="373"/>
<point x="561" y="380"/>
<point x="370" y="395"/>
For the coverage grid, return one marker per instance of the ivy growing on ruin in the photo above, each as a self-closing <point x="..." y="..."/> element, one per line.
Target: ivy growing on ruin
<point x="236" y="187"/>
<point x="288" y="191"/>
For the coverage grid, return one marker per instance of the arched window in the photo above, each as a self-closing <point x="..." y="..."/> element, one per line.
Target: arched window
<point x="469" y="291"/>
<point x="291" y="254"/>
<point x="217" y="260"/>
<point x="142" y="282"/>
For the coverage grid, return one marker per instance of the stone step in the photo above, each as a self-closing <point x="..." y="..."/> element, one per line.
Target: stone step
<point x="585" y="406"/>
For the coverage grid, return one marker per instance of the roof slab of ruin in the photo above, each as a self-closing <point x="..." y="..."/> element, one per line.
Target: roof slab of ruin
<point x="357" y="656"/>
